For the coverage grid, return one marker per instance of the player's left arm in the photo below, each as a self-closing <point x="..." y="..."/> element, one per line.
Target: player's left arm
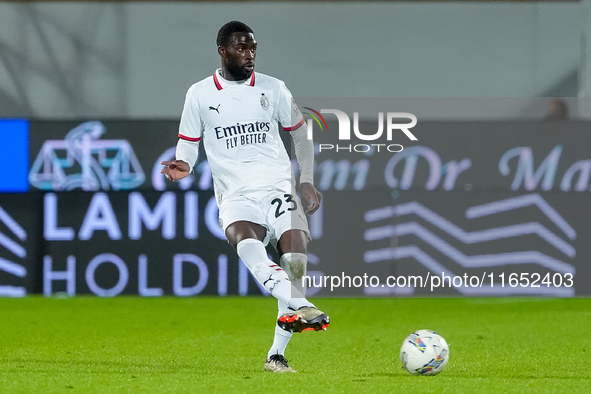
<point x="304" y="152"/>
<point x="292" y="120"/>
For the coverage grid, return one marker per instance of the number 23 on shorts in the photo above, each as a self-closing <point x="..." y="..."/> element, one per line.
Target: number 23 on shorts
<point x="280" y="209"/>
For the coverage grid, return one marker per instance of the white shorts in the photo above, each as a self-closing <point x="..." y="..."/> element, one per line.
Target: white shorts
<point x="275" y="209"/>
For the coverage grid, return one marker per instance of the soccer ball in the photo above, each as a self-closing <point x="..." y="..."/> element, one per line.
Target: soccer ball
<point x="424" y="352"/>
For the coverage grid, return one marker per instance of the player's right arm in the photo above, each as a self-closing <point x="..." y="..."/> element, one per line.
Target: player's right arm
<point x="187" y="148"/>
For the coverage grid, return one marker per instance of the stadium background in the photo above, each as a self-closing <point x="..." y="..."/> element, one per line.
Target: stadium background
<point x="90" y="97"/>
<point x="120" y="70"/>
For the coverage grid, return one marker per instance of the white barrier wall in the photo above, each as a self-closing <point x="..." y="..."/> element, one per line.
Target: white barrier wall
<point x="136" y="60"/>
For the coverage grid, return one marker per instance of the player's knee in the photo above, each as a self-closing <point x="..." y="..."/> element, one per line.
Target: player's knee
<point x="294" y="264"/>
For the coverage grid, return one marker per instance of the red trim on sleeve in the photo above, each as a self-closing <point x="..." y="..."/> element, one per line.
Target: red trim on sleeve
<point x="184" y="137"/>
<point x="301" y="122"/>
<point x="216" y="82"/>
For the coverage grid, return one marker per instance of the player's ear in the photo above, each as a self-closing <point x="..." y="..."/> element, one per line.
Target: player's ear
<point x="222" y="51"/>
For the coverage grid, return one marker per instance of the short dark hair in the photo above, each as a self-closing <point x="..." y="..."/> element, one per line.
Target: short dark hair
<point x="230" y="28"/>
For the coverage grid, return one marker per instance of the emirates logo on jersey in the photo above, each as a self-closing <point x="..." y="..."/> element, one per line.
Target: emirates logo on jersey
<point x="243" y="134"/>
<point x="264" y="101"/>
<point x="244" y="128"/>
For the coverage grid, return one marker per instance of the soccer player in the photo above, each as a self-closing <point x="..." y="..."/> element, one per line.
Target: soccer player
<point x="235" y="112"/>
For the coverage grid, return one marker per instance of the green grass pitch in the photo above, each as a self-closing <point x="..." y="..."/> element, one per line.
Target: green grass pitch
<point x="208" y="344"/>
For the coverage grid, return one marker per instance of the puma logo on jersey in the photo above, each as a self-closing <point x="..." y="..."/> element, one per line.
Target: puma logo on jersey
<point x="216" y="109"/>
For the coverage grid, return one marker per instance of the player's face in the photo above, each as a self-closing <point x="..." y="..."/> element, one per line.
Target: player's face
<point x="238" y="56"/>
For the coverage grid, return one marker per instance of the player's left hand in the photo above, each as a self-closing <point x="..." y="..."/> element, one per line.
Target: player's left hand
<point x="311" y="198"/>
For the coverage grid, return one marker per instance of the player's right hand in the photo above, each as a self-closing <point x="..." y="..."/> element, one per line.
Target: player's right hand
<point x="175" y="169"/>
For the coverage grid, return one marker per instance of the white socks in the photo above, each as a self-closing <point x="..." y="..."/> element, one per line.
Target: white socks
<point x="282" y="337"/>
<point x="294" y="265"/>
<point x="271" y="276"/>
<point x="290" y="294"/>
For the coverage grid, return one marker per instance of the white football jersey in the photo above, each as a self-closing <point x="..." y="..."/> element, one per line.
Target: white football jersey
<point x="237" y="122"/>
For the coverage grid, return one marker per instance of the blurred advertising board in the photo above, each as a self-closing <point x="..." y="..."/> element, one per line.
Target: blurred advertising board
<point x="500" y="207"/>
